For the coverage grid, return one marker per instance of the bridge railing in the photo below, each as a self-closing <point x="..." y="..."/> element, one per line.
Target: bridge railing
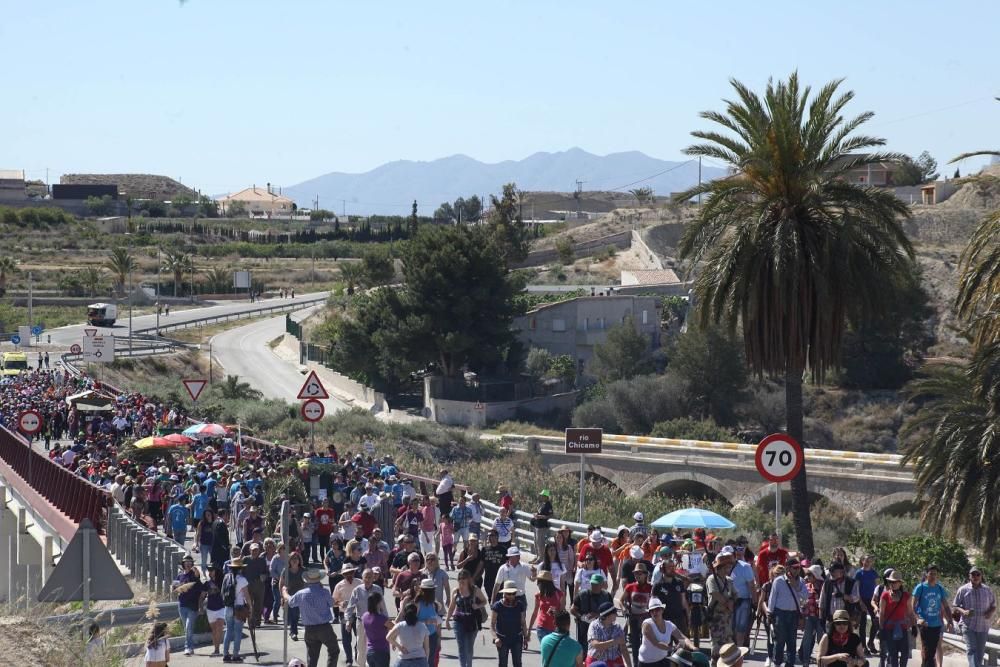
<point x="242" y="315"/>
<point x="153" y="559"/>
<point x="72" y="495"/>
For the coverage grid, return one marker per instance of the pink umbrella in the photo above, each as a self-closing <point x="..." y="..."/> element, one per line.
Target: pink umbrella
<point x="200" y="431"/>
<point x="178" y="439"/>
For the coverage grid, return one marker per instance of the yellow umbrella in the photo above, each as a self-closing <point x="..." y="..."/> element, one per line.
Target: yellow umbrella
<point x="152" y="442"/>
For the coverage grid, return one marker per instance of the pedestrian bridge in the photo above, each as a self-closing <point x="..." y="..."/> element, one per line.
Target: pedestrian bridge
<point x="865" y="484"/>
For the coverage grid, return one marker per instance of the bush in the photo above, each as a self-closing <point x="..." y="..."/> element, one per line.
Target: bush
<point x="692" y="429"/>
<point x="910" y="555"/>
<point x="636" y="405"/>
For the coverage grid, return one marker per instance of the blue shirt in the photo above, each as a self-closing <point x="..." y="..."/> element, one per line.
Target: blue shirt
<point x="461" y="516"/>
<point x="743" y="578"/>
<point x="178" y="516"/>
<point x="867" y="580"/>
<point x="315" y="604"/>
<point x="927" y="603"/>
<point x="787" y="595"/>
<point x="210" y="486"/>
<point x="198" y="505"/>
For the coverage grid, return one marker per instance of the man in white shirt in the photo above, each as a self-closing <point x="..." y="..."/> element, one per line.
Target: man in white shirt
<point x="370" y="499"/>
<point x="68" y="457"/>
<point x="341" y="597"/>
<point x="444" y="492"/>
<point x="513" y="570"/>
<point x="118" y="489"/>
<point x="476" y="506"/>
<point x="504" y="526"/>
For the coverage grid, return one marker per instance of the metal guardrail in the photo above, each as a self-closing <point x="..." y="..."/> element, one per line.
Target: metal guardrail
<point x="632" y="445"/>
<point x="242" y="315"/>
<point x="152" y="558"/>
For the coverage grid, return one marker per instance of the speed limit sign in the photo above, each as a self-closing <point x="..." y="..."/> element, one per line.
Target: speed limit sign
<point x="779" y="457"/>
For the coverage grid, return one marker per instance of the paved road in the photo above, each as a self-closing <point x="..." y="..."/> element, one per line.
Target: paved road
<point x="66" y="336"/>
<point x="244" y="351"/>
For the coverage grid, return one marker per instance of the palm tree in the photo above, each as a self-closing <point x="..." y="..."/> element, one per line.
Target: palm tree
<point x="232" y="388"/>
<point x="787" y="248"/>
<point x="353" y="274"/>
<point x="219" y="279"/>
<point x="641" y="195"/>
<point x="178" y="263"/>
<point x="120" y="263"/>
<point x="8" y="267"/>
<point x="953" y="442"/>
<point x="91" y="278"/>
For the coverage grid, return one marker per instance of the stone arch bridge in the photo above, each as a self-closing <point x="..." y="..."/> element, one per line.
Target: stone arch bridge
<point x="865" y="484"/>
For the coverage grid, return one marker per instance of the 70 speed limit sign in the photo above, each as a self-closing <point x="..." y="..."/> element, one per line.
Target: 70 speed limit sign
<point x="779" y="457"/>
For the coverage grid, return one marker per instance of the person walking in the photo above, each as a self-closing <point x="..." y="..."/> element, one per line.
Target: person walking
<point x="358" y="606"/>
<point x="587" y="603"/>
<point x="540" y="524"/>
<point x="658" y="636"/>
<point x="236" y="597"/>
<point x="291" y="583"/>
<point x="376" y="625"/>
<point x="813" y="627"/>
<point x="157" y="646"/>
<point x="867" y="578"/>
<point x="188" y="588"/>
<point x="342" y="593"/>
<point x="315" y="605"/>
<point x="606" y="639"/>
<point x="220" y="539"/>
<point x="509" y="626"/>
<point x="788" y="594"/>
<point x="896" y="617"/>
<point x="467" y="605"/>
<point x="557" y="648"/>
<point x="721" y="604"/>
<point x="635" y="601"/>
<point x="841" y="646"/>
<point x="975" y="604"/>
<point x="930" y="604"/>
<point x="410" y="639"/>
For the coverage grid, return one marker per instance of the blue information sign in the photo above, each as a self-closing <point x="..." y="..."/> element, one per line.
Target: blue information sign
<point x="15" y="339"/>
<point x="36" y="330"/>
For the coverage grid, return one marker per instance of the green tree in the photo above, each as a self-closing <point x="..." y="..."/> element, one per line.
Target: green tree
<point x="177" y="263"/>
<point x="413" y="221"/>
<point x="564" y="248"/>
<point x="710" y="361"/>
<point x="232" y="388"/>
<point x="624" y="354"/>
<point x="459" y="297"/>
<point x="92" y="279"/>
<point x="98" y="206"/>
<point x="352" y="273"/>
<point x="507" y="227"/>
<point x="445" y="213"/>
<point x="120" y="263"/>
<point x="537" y="363"/>
<point x="321" y="214"/>
<point x="377" y="267"/>
<point x="563" y="367"/>
<point x="236" y="209"/>
<point x="910" y="171"/>
<point x="8" y="268"/>
<point x="219" y="280"/>
<point x="788" y="249"/>
<point x="642" y="195"/>
<point x="685" y="428"/>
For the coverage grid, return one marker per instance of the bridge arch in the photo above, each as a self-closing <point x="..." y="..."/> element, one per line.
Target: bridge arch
<point x="686" y="479"/>
<point x="889" y="502"/>
<point x="816" y="491"/>
<point x="590" y="470"/>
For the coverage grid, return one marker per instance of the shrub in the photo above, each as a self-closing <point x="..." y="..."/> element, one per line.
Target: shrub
<point x="910" y="555"/>
<point x="692" y="429"/>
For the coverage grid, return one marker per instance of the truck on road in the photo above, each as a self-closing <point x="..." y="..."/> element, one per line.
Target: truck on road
<point x="102" y="314"/>
<point x="13" y="363"/>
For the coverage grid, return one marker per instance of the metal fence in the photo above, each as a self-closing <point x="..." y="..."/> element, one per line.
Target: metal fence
<point x="242" y="315"/>
<point x="152" y="558"/>
<point x="72" y="495"/>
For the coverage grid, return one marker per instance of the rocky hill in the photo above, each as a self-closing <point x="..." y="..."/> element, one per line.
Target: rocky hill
<point x="138" y="186"/>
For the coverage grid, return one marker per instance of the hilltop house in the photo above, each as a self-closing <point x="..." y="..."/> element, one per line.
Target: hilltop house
<point x="259" y="202"/>
<point x="12" y="186"/>
<point x="575" y="326"/>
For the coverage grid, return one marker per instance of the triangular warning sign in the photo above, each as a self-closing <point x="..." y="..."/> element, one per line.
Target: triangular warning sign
<point x="65" y="584"/>
<point x="194" y="388"/>
<point x="313" y="388"/>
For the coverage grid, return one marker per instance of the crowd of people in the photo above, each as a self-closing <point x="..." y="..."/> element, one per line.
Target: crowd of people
<point x="643" y="597"/>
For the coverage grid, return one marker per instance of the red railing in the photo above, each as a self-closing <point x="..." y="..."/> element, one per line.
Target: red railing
<point x="72" y="495"/>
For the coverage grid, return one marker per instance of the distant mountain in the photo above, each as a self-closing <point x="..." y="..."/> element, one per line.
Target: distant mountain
<point x="391" y="188"/>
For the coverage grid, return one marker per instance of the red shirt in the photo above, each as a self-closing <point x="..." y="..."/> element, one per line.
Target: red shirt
<point x="366" y="523"/>
<point x="603" y="554"/>
<point x="325" y="520"/>
<point x="637" y="598"/>
<point x="767" y="559"/>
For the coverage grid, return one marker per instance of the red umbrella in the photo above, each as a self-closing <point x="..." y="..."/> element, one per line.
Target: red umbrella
<point x="178" y="439"/>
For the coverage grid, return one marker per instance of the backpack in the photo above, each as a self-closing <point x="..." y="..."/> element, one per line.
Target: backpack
<point x="229" y="590"/>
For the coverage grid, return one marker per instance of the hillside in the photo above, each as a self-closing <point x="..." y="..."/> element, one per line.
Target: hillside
<point x="139" y="186"/>
<point x="391" y="188"/>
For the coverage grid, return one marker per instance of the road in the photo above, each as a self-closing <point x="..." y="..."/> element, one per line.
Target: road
<point x="63" y="337"/>
<point x="244" y="351"/>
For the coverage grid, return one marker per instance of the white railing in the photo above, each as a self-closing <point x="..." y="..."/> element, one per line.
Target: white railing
<point x="152" y="558"/>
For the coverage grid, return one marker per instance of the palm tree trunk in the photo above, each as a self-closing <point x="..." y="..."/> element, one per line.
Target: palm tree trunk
<point x="800" y="490"/>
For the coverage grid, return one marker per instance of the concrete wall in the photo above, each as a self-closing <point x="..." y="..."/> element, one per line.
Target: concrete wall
<point x="620" y="240"/>
<point x="464" y="413"/>
<point x="647" y="258"/>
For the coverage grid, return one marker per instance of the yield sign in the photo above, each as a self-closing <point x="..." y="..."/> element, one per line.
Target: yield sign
<point x="194" y="388"/>
<point x="90" y="332"/>
<point x="313" y="388"/>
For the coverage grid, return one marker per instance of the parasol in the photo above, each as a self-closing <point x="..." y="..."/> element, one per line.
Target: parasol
<point x="693" y="517"/>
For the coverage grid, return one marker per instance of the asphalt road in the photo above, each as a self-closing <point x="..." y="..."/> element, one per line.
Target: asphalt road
<point x="244" y="351"/>
<point x="66" y="336"/>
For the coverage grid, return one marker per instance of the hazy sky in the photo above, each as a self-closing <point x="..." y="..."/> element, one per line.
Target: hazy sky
<point x="224" y="93"/>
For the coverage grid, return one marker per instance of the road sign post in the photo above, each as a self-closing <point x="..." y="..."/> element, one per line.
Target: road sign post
<point x="194" y="388"/>
<point x="312" y="388"/>
<point x="583" y="441"/>
<point x="312" y="411"/>
<point x="779" y="458"/>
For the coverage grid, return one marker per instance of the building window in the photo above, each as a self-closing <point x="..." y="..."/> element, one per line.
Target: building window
<point x="559" y="325"/>
<point x="585" y="324"/>
<point x="645" y="317"/>
<point x="600" y="323"/>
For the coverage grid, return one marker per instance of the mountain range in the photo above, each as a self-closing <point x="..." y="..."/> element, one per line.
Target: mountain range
<point x="392" y="187"/>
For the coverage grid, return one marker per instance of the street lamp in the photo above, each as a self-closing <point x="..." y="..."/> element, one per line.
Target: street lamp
<point x="130" y="312"/>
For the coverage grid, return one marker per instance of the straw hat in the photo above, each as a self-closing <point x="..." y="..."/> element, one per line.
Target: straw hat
<point x="510" y="587"/>
<point x="730" y="654"/>
<point x="312" y="576"/>
<point x="236" y="563"/>
<point x="892" y="575"/>
<point x="841" y="616"/>
<point x="544" y="575"/>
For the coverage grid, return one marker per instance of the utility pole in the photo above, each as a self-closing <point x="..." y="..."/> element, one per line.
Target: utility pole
<point x="31" y="321"/>
<point x="343" y="204"/>
<point x="699" y="179"/>
<point x="158" y="305"/>
<point x="130" y="312"/>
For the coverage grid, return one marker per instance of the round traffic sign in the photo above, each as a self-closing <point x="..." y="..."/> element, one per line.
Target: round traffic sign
<point x="15" y="339"/>
<point x="36" y="330"/>
<point x="312" y="410"/>
<point x="75" y="348"/>
<point x="30" y="422"/>
<point x="779" y="457"/>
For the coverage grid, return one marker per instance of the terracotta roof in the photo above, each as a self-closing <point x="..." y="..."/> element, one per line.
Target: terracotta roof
<point x="256" y="195"/>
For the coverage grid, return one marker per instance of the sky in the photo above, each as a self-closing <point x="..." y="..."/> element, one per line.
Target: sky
<point x="225" y="93"/>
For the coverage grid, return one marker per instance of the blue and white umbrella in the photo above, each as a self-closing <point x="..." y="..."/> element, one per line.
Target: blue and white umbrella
<point x="693" y="517"/>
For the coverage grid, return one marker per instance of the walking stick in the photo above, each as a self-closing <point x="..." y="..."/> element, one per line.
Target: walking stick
<point x="253" y="633"/>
